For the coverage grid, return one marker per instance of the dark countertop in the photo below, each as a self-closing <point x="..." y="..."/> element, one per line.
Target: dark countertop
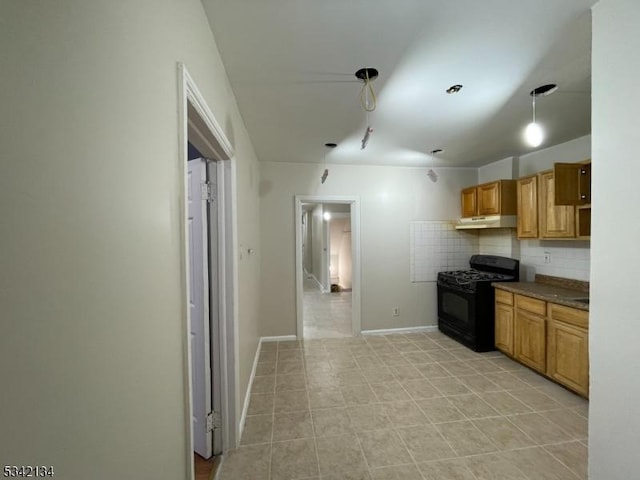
<point x="546" y="292"/>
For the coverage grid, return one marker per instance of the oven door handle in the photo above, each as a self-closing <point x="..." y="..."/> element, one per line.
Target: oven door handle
<point x="455" y="288"/>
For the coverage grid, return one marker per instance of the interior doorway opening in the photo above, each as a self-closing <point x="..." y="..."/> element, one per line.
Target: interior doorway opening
<point x="327" y="266"/>
<point x="211" y="426"/>
<point x="327" y="270"/>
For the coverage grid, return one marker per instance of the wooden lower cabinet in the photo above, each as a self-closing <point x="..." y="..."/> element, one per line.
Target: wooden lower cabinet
<point x="568" y="348"/>
<point x="550" y="338"/>
<point x="504" y="328"/>
<point x="531" y="340"/>
<point x="504" y="321"/>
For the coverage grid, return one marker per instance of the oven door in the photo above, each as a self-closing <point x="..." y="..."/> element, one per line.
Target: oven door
<point x="456" y="313"/>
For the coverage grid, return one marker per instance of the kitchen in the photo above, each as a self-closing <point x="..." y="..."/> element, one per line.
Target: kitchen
<point x="391" y="198"/>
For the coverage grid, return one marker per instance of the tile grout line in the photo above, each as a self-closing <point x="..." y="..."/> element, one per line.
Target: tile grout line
<point x="313" y="426"/>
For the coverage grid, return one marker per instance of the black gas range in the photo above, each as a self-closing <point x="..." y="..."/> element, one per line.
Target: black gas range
<point x="466" y="299"/>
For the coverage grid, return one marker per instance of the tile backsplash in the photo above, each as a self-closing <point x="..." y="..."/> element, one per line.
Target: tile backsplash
<point x="567" y="259"/>
<point x="499" y="241"/>
<point x="436" y="246"/>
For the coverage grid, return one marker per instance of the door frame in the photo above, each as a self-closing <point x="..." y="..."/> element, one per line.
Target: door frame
<point x="196" y="121"/>
<point x="356" y="308"/>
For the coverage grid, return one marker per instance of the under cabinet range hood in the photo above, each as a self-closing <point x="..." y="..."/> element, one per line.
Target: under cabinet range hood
<point x="488" y="221"/>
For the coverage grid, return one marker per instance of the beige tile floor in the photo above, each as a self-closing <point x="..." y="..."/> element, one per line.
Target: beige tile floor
<point x="411" y="407"/>
<point x="325" y="315"/>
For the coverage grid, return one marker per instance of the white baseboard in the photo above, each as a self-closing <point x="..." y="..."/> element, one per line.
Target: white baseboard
<point x="247" y="397"/>
<point x="384" y="331"/>
<point x="283" y="338"/>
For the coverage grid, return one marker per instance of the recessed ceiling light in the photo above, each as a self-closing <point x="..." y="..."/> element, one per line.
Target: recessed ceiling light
<point x="544" y="90"/>
<point x="331" y="145"/>
<point x="454" y="88"/>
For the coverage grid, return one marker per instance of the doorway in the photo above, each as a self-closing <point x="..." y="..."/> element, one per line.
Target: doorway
<point x="210" y="363"/>
<point x="327" y="270"/>
<point x="327" y="266"/>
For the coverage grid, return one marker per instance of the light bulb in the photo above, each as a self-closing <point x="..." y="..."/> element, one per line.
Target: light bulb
<point x="327" y="216"/>
<point x="533" y="134"/>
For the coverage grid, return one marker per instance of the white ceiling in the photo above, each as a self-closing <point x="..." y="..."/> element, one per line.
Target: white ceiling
<point x="291" y="64"/>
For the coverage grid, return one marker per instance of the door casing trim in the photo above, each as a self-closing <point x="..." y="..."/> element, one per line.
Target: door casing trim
<point x="195" y="119"/>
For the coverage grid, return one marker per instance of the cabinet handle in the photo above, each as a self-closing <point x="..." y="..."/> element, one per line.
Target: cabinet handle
<point x="583" y="171"/>
<point x="583" y="196"/>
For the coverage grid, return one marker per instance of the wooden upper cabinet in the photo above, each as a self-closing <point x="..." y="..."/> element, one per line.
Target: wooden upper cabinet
<point x="489" y="199"/>
<point x="554" y="221"/>
<point x="527" y="201"/>
<point x="493" y="198"/>
<point x="469" y="202"/>
<point x="572" y="182"/>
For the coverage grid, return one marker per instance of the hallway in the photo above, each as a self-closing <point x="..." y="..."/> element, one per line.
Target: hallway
<point x="326" y="315"/>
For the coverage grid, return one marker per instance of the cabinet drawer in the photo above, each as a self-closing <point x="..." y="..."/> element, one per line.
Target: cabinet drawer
<point x="504" y="297"/>
<point x="573" y="316"/>
<point x="531" y="305"/>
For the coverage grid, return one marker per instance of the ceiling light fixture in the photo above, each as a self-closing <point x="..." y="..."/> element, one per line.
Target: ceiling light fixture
<point x="454" y="89"/>
<point x="433" y="176"/>
<point x="533" y="133"/>
<point x="367" y="98"/>
<point x="326" y="216"/>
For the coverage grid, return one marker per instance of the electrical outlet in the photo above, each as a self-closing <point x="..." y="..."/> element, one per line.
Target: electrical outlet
<point x="395" y="312"/>
<point x="547" y="258"/>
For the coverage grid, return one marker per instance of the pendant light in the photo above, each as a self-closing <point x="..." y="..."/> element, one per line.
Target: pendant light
<point x="367" y="99"/>
<point x="533" y="133"/>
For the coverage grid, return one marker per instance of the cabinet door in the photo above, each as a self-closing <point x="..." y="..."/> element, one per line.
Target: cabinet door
<point x="555" y="221"/>
<point x="568" y="356"/>
<point x="530" y="340"/>
<point x="469" y="202"/>
<point x="527" y="195"/>
<point x="489" y="199"/>
<point x="504" y="328"/>
<point x="572" y="183"/>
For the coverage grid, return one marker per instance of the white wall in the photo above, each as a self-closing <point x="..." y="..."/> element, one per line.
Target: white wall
<point x="91" y="349"/>
<point x="317" y="245"/>
<point x="341" y="245"/>
<point x="572" y="151"/>
<point x="507" y="168"/>
<point x="306" y="242"/>
<point x="390" y="197"/>
<point x="614" y="329"/>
